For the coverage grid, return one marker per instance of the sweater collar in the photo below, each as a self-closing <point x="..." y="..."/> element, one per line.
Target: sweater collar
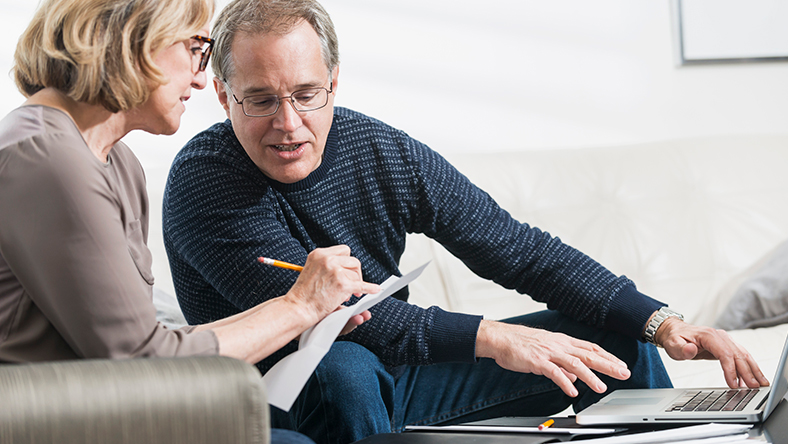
<point x="315" y="177"/>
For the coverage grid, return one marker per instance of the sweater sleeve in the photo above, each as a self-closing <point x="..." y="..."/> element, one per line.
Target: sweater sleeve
<point x="471" y="225"/>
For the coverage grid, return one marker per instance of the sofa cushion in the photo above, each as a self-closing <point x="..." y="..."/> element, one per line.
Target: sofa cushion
<point x="679" y="218"/>
<point x="760" y="298"/>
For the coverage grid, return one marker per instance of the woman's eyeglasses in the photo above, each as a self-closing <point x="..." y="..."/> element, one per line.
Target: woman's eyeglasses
<point x="204" y="51"/>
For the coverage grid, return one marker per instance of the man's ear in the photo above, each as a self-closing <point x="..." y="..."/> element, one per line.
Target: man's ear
<point x="335" y="79"/>
<point x="221" y="93"/>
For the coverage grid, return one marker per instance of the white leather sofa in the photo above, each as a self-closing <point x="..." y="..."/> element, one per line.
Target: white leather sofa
<point x="683" y="219"/>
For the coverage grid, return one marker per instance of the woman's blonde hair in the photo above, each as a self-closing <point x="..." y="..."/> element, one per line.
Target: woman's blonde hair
<point x="102" y="52"/>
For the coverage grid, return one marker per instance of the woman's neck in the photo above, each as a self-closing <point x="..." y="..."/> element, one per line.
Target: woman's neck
<point x="100" y="128"/>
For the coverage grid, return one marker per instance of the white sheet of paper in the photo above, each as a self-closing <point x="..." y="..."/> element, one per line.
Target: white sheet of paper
<point x="687" y="434"/>
<point x="285" y="380"/>
<point x="505" y="429"/>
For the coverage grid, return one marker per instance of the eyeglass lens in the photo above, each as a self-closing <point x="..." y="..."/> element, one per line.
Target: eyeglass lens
<point x="206" y="45"/>
<point x="305" y="100"/>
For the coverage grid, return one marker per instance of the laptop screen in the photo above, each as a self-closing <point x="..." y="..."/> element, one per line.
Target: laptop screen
<point x="779" y="385"/>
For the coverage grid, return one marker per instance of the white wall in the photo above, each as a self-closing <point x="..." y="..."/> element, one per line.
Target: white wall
<point x="511" y="74"/>
<point x="503" y="75"/>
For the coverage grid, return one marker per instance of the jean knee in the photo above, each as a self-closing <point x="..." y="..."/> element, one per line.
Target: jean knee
<point x="353" y="371"/>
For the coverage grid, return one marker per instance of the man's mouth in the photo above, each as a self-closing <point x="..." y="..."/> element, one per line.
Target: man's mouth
<point x="291" y="147"/>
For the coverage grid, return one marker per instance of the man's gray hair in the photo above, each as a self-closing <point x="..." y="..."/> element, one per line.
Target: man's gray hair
<point x="269" y="16"/>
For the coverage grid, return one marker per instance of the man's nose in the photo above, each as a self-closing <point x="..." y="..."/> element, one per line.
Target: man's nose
<point x="287" y="118"/>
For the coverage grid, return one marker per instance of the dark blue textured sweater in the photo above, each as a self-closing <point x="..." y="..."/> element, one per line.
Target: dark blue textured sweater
<point x="375" y="184"/>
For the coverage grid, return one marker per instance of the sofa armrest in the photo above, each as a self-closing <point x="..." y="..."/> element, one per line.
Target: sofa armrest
<point x="158" y="400"/>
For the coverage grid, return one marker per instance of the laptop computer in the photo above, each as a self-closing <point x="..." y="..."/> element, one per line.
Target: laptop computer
<point x="638" y="406"/>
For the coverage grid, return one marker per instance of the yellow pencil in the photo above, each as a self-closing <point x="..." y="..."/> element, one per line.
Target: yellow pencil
<point x="546" y="424"/>
<point x="280" y="264"/>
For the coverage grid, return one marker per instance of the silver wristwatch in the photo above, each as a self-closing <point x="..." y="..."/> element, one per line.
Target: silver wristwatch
<point x="662" y="314"/>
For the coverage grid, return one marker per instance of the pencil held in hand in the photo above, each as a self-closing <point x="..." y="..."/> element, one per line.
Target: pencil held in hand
<point x="280" y="264"/>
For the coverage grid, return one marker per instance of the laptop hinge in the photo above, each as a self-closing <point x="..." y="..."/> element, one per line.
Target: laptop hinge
<point x="763" y="401"/>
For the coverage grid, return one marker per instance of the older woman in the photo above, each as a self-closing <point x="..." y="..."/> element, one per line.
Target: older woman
<point x="75" y="271"/>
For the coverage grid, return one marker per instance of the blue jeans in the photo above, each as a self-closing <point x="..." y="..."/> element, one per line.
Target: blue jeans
<point x="279" y="436"/>
<point x="351" y="395"/>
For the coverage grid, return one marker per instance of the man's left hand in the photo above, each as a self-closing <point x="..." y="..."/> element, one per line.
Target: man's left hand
<point x="684" y="341"/>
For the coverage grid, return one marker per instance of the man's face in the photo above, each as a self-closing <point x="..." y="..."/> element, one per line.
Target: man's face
<point x="288" y="145"/>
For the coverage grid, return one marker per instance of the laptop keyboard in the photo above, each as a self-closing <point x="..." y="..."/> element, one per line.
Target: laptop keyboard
<point x="713" y="400"/>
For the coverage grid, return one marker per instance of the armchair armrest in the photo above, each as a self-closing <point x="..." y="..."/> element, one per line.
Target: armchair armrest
<point x="158" y="400"/>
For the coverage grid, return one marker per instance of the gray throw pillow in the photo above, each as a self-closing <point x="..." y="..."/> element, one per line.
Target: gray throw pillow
<point x="762" y="298"/>
<point x="168" y="312"/>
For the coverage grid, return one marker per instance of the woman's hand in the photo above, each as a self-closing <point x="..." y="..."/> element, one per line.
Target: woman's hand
<point x="329" y="278"/>
<point x="355" y="321"/>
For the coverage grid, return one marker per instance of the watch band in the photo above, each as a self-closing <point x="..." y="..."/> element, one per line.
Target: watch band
<point x="653" y="325"/>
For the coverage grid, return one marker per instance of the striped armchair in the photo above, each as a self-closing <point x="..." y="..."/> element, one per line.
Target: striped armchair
<point x="158" y="400"/>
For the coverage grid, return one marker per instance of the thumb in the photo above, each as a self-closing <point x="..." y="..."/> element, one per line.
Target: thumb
<point x="679" y="348"/>
<point x="686" y="350"/>
<point x="689" y="350"/>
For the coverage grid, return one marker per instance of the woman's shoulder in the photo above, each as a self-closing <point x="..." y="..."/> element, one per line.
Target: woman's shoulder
<point x="44" y="145"/>
<point x="40" y="138"/>
<point x="35" y="121"/>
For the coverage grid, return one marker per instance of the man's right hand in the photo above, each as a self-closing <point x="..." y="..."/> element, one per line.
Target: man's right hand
<point x="557" y="356"/>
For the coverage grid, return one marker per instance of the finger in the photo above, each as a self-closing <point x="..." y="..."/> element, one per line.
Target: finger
<point x="370" y="288"/>
<point x="749" y="374"/>
<point x="363" y="288"/>
<point x="559" y="376"/>
<point x="352" y="323"/>
<point x="754" y="376"/>
<point x="744" y="376"/>
<point x="600" y="354"/>
<point x="575" y="365"/>
<point x="602" y="361"/>
<point x="615" y="369"/>
<point x="727" y="360"/>
<point x="737" y="365"/>
<point x="763" y="381"/>
<point x="334" y="250"/>
<point x="680" y="349"/>
<point x="356" y="320"/>
<point x="572" y="377"/>
<point x="690" y="351"/>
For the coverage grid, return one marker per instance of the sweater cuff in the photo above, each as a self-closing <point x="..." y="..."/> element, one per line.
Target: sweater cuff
<point x="453" y="337"/>
<point x="629" y="312"/>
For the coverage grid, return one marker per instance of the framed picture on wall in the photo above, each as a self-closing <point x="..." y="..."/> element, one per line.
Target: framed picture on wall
<point x="730" y="31"/>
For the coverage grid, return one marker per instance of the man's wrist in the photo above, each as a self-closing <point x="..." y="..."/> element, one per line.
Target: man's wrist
<point x="656" y="321"/>
<point x="483" y="340"/>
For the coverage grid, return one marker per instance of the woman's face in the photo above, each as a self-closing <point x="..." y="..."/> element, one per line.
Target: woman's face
<point x="161" y="113"/>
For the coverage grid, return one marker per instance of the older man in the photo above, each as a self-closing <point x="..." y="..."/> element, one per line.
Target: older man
<point x="288" y="172"/>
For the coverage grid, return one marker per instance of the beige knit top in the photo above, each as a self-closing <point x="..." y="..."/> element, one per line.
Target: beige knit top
<point x="75" y="270"/>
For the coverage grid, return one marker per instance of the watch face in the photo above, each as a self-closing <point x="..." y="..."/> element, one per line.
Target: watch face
<point x="668" y="312"/>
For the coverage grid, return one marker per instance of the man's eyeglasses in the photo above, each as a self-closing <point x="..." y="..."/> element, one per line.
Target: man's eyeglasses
<point x="265" y="105"/>
<point x="205" y="54"/>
